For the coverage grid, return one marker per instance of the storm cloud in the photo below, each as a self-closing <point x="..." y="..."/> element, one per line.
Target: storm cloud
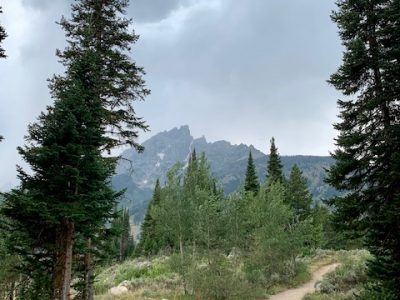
<point x="242" y="71"/>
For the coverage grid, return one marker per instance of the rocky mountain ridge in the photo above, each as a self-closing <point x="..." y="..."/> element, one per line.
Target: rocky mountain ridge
<point x="137" y="172"/>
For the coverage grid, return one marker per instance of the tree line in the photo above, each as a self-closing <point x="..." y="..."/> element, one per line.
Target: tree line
<point x="264" y="226"/>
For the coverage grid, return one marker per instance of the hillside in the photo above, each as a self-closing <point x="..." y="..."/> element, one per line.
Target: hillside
<point x="138" y="172"/>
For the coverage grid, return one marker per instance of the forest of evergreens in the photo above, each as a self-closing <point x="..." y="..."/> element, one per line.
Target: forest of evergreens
<point x="62" y="225"/>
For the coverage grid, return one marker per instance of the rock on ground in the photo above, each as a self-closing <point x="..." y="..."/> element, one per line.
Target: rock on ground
<point x="118" y="290"/>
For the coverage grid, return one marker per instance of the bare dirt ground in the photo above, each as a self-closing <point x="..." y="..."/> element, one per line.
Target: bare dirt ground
<point x="309" y="287"/>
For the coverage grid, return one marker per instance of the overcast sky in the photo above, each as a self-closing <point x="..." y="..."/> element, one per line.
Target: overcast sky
<point x="238" y="70"/>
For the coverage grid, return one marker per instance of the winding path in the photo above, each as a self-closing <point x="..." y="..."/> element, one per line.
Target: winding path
<point x="309" y="287"/>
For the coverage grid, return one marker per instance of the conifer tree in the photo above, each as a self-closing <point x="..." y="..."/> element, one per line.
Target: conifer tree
<point x="274" y="165"/>
<point x="297" y="194"/>
<point x="368" y="146"/>
<point x="251" y="182"/>
<point x="9" y="274"/>
<point x="150" y="243"/>
<point x="190" y="179"/>
<point x="68" y="192"/>
<point x="124" y="238"/>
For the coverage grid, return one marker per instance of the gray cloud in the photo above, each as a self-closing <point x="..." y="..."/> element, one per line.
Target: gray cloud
<point x="46" y="5"/>
<point x="245" y="72"/>
<point x="237" y="70"/>
<point x="153" y="10"/>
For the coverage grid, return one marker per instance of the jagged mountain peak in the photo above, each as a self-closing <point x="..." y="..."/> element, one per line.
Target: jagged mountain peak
<point x="176" y="132"/>
<point x="139" y="172"/>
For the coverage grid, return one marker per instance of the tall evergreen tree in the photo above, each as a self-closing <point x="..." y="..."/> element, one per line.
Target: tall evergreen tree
<point x="123" y="240"/>
<point x="9" y="275"/>
<point x="274" y="165"/>
<point x="68" y="192"/>
<point x="297" y="194"/>
<point x="251" y="182"/>
<point x="150" y="243"/>
<point x="368" y="146"/>
<point x="99" y="42"/>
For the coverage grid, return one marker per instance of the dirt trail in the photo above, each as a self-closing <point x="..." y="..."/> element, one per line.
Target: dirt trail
<point x="309" y="287"/>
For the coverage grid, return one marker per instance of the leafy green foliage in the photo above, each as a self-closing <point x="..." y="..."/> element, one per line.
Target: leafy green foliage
<point x="220" y="278"/>
<point x="277" y="238"/>
<point x="189" y="208"/>
<point x="261" y="232"/>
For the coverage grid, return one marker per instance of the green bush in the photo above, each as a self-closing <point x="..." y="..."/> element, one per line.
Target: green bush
<point x="301" y="274"/>
<point x="350" y="274"/>
<point x="221" y="279"/>
<point x="348" y="280"/>
<point x="374" y="291"/>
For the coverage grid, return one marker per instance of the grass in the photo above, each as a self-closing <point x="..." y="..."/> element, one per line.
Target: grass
<point x="155" y="279"/>
<point x="137" y="274"/>
<point x="145" y="294"/>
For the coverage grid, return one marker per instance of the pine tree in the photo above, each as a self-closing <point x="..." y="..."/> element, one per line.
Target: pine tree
<point x="9" y="274"/>
<point x="150" y="243"/>
<point x="368" y="146"/>
<point x="251" y="182"/>
<point x="99" y="41"/>
<point x="274" y="166"/>
<point x="68" y="193"/>
<point x="297" y="194"/>
<point x="122" y="238"/>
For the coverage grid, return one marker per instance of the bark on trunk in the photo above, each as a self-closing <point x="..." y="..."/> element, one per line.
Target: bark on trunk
<point x="12" y="290"/>
<point x="63" y="267"/>
<point x="88" y="291"/>
<point x="182" y="265"/>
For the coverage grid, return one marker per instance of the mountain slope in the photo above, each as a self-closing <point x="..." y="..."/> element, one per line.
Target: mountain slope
<point x="138" y="172"/>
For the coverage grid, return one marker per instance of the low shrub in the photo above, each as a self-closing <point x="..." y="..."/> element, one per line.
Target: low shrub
<point x="137" y="272"/>
<point x="348" y="280"/>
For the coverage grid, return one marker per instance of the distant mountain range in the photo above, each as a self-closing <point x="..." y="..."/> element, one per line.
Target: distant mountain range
<point x="139" y="172"/>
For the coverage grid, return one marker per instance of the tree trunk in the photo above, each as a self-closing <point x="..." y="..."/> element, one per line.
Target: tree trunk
<point x="12" y="289"/>
<point x="63" y="268"/>
<point x="88" y="290"/>
<point x="183" y="271"/>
